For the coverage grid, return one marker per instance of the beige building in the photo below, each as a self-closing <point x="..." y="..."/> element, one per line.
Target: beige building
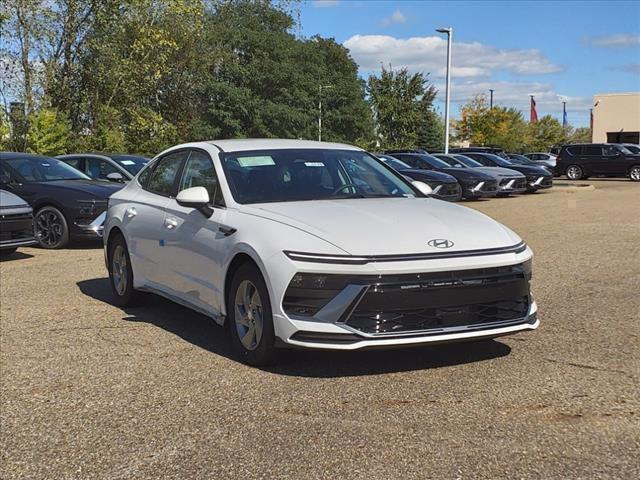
<point x="616" y="118"/>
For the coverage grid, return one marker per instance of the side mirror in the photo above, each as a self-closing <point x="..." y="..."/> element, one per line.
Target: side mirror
<point x="422" y="187"/>
<point x="195" y="197"/>
<point x="115" y="177"/>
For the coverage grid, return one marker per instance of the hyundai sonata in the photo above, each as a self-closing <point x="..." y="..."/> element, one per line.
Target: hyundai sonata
<point x="317" y="245"/>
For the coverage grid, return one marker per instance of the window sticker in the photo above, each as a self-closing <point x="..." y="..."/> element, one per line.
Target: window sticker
<point x="261" y="161"/>
<point x="313" y="164"/>
<point x="127" y="162"/>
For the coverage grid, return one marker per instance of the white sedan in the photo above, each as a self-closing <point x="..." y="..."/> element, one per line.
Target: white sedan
<point x="315" y="245"/>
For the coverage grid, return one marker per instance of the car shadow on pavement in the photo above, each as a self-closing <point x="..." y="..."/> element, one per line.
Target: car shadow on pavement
<point x="203" y="332"/>
<point x="15" y="256"/>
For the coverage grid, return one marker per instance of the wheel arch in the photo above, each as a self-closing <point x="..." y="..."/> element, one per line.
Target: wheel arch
<point x="237" y="261"/>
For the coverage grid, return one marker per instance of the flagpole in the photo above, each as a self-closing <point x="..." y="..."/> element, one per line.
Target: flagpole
<point x="564" y="114"/>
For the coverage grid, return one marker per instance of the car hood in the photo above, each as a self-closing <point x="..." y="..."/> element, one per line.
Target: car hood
<point x="429" y="175"/>
<point x="388" y="226"/>
<point x="499" y="171"/>
<point x="9" y="200"/>
<point x="530" y="170"/>
<point x="466" y="173"/>
<point x="94" y="188"/>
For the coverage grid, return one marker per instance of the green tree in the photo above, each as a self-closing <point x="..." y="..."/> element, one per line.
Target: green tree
<point x="498" y="126"/>
<point x="545" y="133"/>
<point x="49" y="133"/>
<point x="580" y="135"/>
<point x="401" y="105"/>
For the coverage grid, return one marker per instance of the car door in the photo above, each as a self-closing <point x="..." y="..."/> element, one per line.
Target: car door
<point x="613" y="161"/>
<point x="591" y="159"/>
<point x="144" y="217"/>
<point x="195" y="244"/>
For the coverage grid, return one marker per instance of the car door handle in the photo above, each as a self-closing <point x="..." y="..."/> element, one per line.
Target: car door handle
<point x="170" y="223"/>
<point x="130" y="212"/>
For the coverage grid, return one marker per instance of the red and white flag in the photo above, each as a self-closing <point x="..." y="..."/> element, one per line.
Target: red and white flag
<point x="534" y="113"/>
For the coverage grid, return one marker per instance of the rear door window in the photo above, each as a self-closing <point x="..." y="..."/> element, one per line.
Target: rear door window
<point x="575" y="150"/>
<point x="593" y="150"/>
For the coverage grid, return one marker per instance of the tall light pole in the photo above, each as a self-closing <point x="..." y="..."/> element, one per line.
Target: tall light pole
<point x="491" y="90"/>
<point x="449" y="32"/>
<point x="320" y="110"/>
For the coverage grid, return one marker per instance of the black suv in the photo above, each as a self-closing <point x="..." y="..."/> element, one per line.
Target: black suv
<point x="580" y="161"/>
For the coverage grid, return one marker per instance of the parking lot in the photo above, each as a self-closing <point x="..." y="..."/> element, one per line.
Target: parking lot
<point x="92" y="391"/>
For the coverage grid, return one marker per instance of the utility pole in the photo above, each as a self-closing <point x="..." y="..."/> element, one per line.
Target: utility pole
<point x="491" y="98"/>
<point x="449" y="32"/>
<point x="320" y="110"/>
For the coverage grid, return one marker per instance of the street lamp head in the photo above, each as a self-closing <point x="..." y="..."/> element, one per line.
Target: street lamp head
<point x="444" y="30"/>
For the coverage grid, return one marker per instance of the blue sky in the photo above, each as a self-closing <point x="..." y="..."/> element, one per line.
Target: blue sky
<point x="555" y="50"/>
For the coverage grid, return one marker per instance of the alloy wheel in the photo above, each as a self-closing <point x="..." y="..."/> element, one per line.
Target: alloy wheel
<point x="249" y="318"/>
<point x="574" y="172"/>
<point x="634" y="174"/>
<point x="50" y="228"/>
<point x="119" y="270"/>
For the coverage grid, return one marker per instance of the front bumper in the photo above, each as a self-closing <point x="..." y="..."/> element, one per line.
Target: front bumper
<point x="483" y="189"/>
<point x="396" y="308"/>
<point x="94" y="229"/>
<point x="512" y="185"/>
<point x="16" y="230"/>
<point x="539" y="182"/>
<point x="451" y="192"/>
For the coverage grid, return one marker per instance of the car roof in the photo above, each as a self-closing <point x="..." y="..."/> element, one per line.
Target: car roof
<point x="247" y="144"/>
<point x="14" y="155"/>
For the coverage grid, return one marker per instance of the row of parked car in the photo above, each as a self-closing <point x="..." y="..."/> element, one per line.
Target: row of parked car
<point x="65" y="197"/>
<point x="472" y="175"/>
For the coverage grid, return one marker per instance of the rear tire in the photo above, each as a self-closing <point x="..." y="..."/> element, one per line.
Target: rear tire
<point x="574" y="172"/>
<point x="634" y="173"/>
<point x="121" y="274"/>
<point x="52" y="230"/>
<point x="249" y="317"/>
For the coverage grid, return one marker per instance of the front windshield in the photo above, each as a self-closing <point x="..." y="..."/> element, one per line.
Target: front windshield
<point x="394" y="162"/>
<point x="520" y="160"/>
<point x="130" y="163"/>
<point x="624" y="149"/>
<point x="287" y="175"/>
<point x="433" y="161"/>
<point x="633" y="148"/>
<point x="498" y="160"/>
<point x="451" y="161"/>
<point x="44" y="169"/>
<point x="469" y="162"/>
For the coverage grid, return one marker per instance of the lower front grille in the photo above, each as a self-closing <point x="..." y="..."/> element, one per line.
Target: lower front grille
<point x="436" y="302"/>
<point x="439" y="318"/>
<point x="447" y="190"/>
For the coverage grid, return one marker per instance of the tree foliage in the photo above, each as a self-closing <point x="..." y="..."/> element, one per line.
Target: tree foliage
<point x="402" y="105"/>
<point x="49" y="133"/>
<point x="140" y="75"/>
<point x="507" y="128"/>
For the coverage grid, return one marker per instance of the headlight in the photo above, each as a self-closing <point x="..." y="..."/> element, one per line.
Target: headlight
<point x="309" y="292"/>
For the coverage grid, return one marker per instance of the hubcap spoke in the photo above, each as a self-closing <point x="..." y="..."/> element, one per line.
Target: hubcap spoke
<point x="248" y="315"/>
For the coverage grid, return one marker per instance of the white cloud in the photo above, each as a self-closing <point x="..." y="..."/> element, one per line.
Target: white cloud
<point x="619" y="40"/>
<point x="325" y="3"/>
<point x="396" y="17"/>
<point x="428" y="54"/>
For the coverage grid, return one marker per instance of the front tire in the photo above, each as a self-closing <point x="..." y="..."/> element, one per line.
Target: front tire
<point x="634" y="173"/>
<point x="249" y="317"/>
<point x="575" y="172"/>
<point x="52" y="230"/>
<point x="121" y="274"/>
